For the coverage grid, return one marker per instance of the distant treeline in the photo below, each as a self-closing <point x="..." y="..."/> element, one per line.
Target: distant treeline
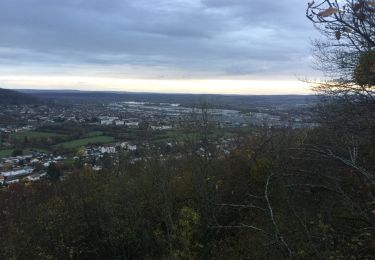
<point x="229" y="101"/>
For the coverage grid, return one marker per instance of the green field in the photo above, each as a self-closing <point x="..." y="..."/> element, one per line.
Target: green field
<point x="6" y="153"/>
<point x="34" y="135"/>
<point x="86" y="141"/>
<point x="92" y="134"/>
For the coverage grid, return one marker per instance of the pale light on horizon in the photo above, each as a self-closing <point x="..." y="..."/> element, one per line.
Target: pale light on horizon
<point x="196" y="86"/>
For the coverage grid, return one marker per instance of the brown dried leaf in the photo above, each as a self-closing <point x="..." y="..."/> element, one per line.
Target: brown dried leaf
<point x="338" y="35"/>
<point x="361" y="16"/>
<point x="328" y="12"/>
<point x="357" y="6"/>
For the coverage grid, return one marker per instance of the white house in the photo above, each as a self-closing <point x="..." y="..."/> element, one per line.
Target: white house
<point x="33" y="177"/>
<point x="119" y="122"/>
<point x="18" y="173"/>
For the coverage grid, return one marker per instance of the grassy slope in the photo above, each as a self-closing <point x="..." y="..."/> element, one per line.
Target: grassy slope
<point x="34" y="135"/>
<point x="6" y="153"/>
<point x="86" y="141"/>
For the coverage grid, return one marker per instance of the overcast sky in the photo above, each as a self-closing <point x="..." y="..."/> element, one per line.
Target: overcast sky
<point x="222" y="46"/>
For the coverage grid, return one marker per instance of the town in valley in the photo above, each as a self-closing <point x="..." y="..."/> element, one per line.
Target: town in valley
<point x="58" y="133"/>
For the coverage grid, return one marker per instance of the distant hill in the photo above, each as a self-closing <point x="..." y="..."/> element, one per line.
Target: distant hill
<point x="239" y="102"/>
<point x="11" y="97"/>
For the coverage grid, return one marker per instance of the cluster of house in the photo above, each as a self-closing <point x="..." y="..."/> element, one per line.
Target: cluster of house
<point x="164" y="116"/>
<point x="16" y="129"/>
<point x="93" y="154"/>
<point x="114" y="120"/>
<point x="14" y="176"/>
<point x="163" y="127"/>
<point x="158" y="115"/>
<point x="31" y="167"/>
<point x="41" y="115"/>
<point x="99" y="151"/>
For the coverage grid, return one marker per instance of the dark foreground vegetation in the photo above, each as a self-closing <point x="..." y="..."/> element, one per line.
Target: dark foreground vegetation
<point x="282" y="194"/>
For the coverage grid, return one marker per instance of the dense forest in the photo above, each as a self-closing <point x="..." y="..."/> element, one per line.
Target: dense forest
<point x="282" y="194"/>
<point x="10" y="97"/>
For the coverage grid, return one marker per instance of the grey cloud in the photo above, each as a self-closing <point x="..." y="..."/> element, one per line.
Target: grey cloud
<point x="184" y="37"/>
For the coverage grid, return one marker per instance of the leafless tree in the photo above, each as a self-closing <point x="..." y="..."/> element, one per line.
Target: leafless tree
<point x="347" y="52"/>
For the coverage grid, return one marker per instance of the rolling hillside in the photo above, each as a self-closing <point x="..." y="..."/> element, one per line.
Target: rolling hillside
<point x="11" y="97"/>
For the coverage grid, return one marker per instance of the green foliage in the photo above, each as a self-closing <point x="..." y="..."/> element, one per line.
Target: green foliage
<point x="54" y="171"/>
<point x="80" y="151"/>
<point x="17" y="152"/>
<point x="364" y="74"/>
<point x="260" y="169"/>
<point x="196" y="206"/>
<point x="186" y="234"/>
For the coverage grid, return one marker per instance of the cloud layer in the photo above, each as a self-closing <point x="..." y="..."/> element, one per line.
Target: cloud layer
<point x="168" y="39"/>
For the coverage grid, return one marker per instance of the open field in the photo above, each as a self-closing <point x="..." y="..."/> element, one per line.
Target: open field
<point x="6" y="153"/>
<point x="86" y="141"/>
<point x="34" y="135"/>
<point x="92" y="134"/>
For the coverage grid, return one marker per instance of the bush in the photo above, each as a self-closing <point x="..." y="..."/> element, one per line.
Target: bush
<point x="364" y="73"/>
<point x="17" y="152"/>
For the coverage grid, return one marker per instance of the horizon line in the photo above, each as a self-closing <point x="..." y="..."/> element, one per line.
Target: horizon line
<point x="67" y="90"/>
